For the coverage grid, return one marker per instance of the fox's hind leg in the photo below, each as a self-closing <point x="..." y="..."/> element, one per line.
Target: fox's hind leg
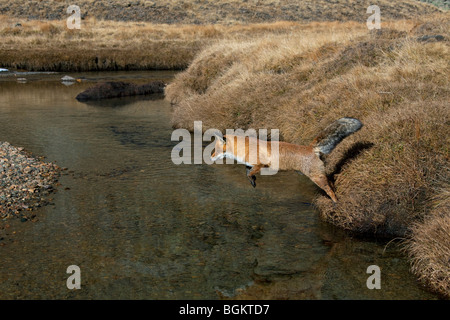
<point x="318" y="176"/>
<point x="322" y="181"/>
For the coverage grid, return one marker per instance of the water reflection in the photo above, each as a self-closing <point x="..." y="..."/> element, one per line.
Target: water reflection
<point x="140" y="227"/>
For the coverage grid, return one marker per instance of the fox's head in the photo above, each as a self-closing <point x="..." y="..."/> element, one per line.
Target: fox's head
<point x="219" y="149"/>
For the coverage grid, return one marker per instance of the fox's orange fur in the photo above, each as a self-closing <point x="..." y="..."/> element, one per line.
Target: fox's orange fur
<point x="257" y="154"/>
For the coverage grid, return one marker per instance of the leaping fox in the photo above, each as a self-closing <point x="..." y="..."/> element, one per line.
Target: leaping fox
<point x="306" y="159"/>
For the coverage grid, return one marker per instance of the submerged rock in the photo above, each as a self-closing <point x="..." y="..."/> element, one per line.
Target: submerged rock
<point x="119" y="89"/>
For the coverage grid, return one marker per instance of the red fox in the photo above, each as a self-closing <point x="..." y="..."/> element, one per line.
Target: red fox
<point x="306" y="159"/>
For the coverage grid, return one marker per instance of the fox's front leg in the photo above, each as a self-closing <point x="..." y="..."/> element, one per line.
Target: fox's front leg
<point x="251" y="171"/>
<point x="251" y="178"/>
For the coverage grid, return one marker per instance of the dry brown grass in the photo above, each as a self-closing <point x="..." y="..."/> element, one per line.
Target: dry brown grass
<point x="114" y="45"/>
<point x="163" y="34"/>
<point x="429" y="246"/>
<point x="213" y="12"/>
<point x="386" y="174"/>
<point x="99" y="45"/>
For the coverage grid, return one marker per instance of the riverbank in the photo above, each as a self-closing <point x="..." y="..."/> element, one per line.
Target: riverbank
<point x="393" y="80"/>
<point x="26" y="182"/>
<point x="115" y="46"/>
<point x="98" y="46"/>
<point x="150" y="35"/>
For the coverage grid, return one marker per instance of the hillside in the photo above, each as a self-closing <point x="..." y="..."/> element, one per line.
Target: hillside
<point x="212" y="12"/>
<point x="163" y="34"/>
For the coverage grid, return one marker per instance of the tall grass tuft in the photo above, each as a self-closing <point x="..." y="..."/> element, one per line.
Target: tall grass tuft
<point x="429" y="245"/>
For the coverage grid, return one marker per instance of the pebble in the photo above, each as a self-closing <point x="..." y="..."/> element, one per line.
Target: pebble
<point x="68" y="78"/>
<point x="25" y="181"/>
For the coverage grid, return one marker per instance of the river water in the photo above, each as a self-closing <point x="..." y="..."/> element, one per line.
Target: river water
<point x="140" y="227"/>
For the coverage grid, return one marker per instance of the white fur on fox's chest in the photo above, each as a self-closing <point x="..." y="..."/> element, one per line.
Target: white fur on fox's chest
<point x="231" y="156"/>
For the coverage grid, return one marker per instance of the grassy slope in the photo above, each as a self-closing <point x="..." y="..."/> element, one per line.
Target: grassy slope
<point x="112" y="45"/>
<point x="210" y="11"/>
<point x="386" y="174"/>
<point x="444" y="4"/>
<point x="35" y="37"/>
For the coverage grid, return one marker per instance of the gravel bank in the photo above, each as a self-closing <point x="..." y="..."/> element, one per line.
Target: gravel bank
<point x="25" y="181"/>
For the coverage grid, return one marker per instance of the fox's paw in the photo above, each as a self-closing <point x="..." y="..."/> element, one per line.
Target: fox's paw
<point x="252" y="180"/>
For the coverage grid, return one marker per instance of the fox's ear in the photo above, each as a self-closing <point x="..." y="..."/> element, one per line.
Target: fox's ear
<point x="221" y="139"/>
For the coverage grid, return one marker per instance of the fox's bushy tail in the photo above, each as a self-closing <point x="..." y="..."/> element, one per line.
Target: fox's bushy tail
<point x="330" y="137"/>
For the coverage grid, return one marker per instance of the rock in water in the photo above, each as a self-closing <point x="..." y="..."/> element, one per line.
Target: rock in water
<point x="68" y="79"/>
<point x="119" y="89"/>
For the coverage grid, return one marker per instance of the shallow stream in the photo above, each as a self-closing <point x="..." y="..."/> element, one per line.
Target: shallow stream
<point x="140" y="227"/>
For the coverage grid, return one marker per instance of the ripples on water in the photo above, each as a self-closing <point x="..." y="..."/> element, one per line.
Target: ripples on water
<point x="140" y="227"/>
